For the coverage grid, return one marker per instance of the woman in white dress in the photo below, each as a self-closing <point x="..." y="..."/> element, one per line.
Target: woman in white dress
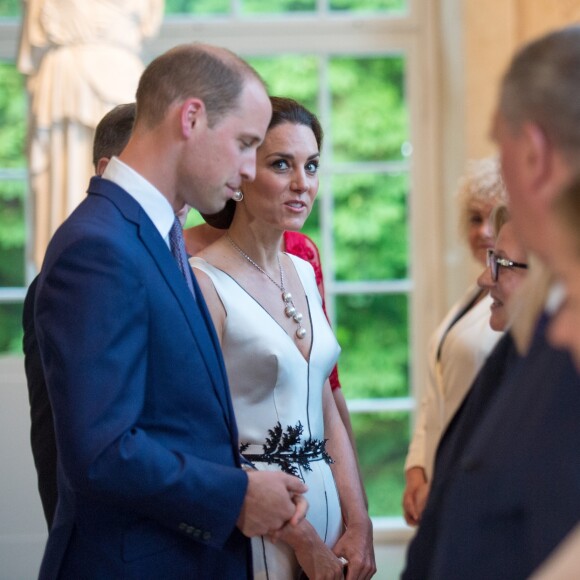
<point x="461" y="343"/>
<point x="279" y="351"/>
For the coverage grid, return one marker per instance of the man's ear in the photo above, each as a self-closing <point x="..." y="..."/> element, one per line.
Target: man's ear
<point x="192" y="111"/>
<point x="538" y="156"/>
<point x="101" y="165"/>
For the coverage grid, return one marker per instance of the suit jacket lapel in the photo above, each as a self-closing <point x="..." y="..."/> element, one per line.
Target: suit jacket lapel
<point x="195" y="313"/>
<point x="217" y="349"/>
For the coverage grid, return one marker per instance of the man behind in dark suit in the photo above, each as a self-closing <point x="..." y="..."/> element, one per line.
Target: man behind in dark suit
<point x="149" y="477"/>
<point x="111" y="136"/>
<point x="506" y="488"/>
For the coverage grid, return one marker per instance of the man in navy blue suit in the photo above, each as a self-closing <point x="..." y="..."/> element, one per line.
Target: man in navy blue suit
<point x="149" y="477"/>
<point x="506" y="488"/>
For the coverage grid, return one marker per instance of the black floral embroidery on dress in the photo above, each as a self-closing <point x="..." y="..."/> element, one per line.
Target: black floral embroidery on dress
<point x="285" y="449"/>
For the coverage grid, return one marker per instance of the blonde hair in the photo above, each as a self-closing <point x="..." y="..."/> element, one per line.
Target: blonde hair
<point x="482" y="182"/>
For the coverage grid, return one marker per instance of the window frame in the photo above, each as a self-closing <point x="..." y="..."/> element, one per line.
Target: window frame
<point x="413" y="35"/>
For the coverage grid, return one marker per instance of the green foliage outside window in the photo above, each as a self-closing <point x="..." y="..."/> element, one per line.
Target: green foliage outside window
<point x="382" y="440"/>
<point x="12" y="117"/>
<point x="12" y="200"/>
<point x="212" y="7"/>
<point x="197" y="7"/>
<point x="369" y="119"/>
<point x="372" y="331"/>
<point x="370" y="226"/>
<point x="291" y="76"/>
<point x="9" y="8"/>
<point x="277" y="6"/>
<point x="369" y="5"/>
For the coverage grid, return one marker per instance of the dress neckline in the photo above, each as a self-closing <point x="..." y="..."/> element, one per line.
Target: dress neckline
<point x="290" y="337"/>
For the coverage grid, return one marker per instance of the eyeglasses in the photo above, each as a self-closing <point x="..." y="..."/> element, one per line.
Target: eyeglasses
<point x="493" y="263"/>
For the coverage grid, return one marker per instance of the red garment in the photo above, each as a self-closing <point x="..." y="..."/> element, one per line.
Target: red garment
<point x="302" y="246"/>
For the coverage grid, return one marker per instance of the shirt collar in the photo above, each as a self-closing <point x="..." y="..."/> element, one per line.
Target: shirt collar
<point x="153" y="202"/>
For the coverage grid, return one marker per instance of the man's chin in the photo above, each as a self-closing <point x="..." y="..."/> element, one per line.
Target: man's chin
<point x="213" y="207"/>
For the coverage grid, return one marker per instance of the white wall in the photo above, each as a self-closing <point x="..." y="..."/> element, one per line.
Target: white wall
<point x="22" y="527"/>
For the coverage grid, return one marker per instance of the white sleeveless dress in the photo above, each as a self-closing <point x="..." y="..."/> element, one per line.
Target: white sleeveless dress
<point x="277" y="398"/>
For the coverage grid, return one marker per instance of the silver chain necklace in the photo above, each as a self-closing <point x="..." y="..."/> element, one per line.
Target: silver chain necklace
<point x="289" y="308"/>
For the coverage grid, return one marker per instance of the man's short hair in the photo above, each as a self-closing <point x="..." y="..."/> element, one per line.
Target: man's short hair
<point x="213" y="74"/>
<point x="113" y="132"/>
<point x="542" y="85"/>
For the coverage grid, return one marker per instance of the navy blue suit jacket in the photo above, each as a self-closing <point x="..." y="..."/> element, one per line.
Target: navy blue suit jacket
<point x="506" y="488"/>
<point x="148" y="467"/>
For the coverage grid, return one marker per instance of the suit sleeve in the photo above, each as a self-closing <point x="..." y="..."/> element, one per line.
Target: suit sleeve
<point x="93" y="314"/>
<point x="42" y="437"/>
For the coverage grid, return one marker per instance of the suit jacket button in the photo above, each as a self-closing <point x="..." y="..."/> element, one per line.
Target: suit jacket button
<point x="190" y="529"/>
<point x="197" y="533"/>
<point x="183" y="526"/>
<point x="206" y="536"/>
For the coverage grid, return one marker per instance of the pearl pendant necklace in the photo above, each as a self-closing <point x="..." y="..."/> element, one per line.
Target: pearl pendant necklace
<point x="289" y="308"/>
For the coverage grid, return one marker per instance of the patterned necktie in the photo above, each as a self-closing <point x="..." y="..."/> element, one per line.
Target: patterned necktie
<point x="178" y="250"/>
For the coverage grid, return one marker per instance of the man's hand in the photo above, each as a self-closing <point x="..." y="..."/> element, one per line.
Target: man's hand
<point x="272" y="500"/>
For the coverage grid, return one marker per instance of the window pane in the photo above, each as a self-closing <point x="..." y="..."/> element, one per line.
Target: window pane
<point x="311" y="227"/>
<point x="369" y="5"/>
<point x="12" y="233"/>
<point x="198" y="7"/>
<point x="369" y="113"/>
<point x="382" y="440"/>
<point x="291" y="76"/>
<point x="12" y="117"/>
<point x="372" y="332"/>
<point x="10" y="328"/>
<point x="193" y="219"/>
<point x="12" y="191"/>
<point x="371" y="226"/>
<point x="277" y="6"/>
<point x="9" y="8"/>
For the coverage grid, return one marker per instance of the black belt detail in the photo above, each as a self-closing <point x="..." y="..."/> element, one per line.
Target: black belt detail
<point x="287" y="450"/>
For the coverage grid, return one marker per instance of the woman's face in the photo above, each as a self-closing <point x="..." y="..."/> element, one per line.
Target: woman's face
<point x="564" y="329"/>
<point x="286" y="180"/>
<point x="479" y="229"/>
<point x="508" y="247"/>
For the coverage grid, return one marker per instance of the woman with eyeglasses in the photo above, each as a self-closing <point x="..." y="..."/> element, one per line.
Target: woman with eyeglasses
<point x="506" y="268"/>
<point x="462" y="341"/>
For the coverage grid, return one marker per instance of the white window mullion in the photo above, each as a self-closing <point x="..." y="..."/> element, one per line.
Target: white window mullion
<point x="326" y="200"/>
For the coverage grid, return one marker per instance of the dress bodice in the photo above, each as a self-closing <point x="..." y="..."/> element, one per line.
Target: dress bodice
<point x="270" y="380"/>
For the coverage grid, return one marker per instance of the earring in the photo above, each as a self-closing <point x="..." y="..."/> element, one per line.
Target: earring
<point x="238" y="196"/>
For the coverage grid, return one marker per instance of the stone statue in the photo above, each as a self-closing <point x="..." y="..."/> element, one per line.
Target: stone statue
<point x="81" y="58"/>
